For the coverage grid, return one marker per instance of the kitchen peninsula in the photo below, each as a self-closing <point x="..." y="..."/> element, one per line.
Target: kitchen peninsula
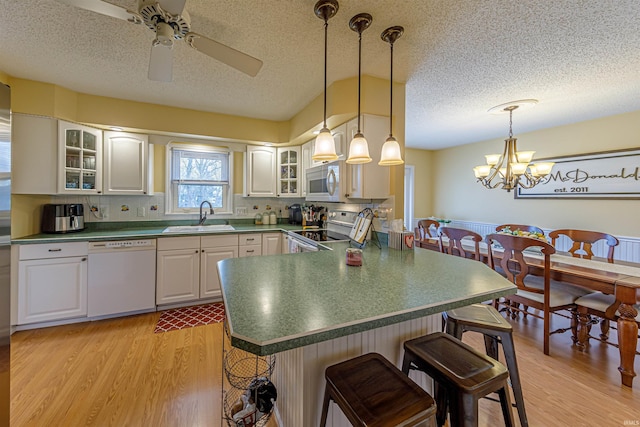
<point x="312" y="310"/>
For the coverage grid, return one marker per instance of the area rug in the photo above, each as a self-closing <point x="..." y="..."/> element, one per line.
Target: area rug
<point x="188" y="317"/>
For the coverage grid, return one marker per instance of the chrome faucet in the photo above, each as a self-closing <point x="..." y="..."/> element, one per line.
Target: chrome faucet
<point x="203" y="216"/>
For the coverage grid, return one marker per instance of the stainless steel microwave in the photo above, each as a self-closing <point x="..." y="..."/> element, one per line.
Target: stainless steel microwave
<point x="325" y="182"/>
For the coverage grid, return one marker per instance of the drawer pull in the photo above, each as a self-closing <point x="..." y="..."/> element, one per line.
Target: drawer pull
<point x="55" y="250"/>
<point x="251" y="251"/>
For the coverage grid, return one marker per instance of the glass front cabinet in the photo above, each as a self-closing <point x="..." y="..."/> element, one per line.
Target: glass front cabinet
<point x="80" y="149"/>
<point x="288" y="174"/>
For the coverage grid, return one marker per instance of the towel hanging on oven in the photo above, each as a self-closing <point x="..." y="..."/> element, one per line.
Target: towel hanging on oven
<point x="361" y="225"/>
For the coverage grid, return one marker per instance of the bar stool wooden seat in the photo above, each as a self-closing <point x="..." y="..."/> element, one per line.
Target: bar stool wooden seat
<point x="371" y="391"/>
<point x="486" y="320"/>
<point x="462" y="376"/>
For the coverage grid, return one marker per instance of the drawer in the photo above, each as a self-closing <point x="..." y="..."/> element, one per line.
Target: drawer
<point x="170" y="243"/>
<point x="54" y="250"/>
<point x="218" y="241"/>
<point x="251" y="239"/>
<point x="250" y="250"/>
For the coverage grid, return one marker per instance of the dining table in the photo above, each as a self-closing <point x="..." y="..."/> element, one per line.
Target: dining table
<point x="620" y="278"/>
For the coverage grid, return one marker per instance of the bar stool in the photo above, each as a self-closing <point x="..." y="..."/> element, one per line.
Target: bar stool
<point x="462" y="376"/>
<point x="486" y="320"/>
<point x="371" y="391"/>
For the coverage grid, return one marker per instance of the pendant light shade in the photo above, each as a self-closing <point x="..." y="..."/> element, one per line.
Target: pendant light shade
<point x="391" y="154"/>
<point x="325" y="148"/>
<point x="359" y="147"/>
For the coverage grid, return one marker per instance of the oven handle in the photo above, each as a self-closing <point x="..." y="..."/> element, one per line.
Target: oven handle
<point x="331" y="182"/>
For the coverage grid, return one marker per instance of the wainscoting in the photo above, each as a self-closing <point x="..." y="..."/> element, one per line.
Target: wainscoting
<point x="627" y="250"/>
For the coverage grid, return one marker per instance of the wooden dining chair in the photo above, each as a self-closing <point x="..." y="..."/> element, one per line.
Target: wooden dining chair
<point x="514" y="227"/>
<point x="583" y="240"/>
<point x="454" y="244"/>
<point x="426" y="234"/>
<point x="598" y="305"/>
<point x="545" y="297"/>
<point x="602" y="306"/>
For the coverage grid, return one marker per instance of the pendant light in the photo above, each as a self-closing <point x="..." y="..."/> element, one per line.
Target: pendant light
<point x="359" y="148"/>
<point x="325" y="147"/>
<point x="391" y="149"/>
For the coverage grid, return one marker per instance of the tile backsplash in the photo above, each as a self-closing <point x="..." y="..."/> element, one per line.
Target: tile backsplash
<point x="152" y="208"/>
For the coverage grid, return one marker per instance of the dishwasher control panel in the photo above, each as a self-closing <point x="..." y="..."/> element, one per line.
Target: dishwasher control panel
<point x="123" y="244"/>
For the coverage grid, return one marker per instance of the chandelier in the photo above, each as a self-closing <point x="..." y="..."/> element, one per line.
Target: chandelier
<point x="512" y="168"/>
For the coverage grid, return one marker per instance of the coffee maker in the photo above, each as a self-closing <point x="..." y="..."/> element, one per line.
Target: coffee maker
<point x="62" y="218"/>
<point x="295" y="214"/>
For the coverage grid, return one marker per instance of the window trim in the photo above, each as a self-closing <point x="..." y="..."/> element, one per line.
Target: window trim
<point x="169" y="196"/>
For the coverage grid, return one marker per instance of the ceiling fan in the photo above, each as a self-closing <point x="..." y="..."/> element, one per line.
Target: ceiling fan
<point x="169" y="20"/>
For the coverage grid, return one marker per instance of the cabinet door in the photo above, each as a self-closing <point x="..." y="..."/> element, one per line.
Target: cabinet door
<point x="307" y="162"/>
<point x="369" y="180"/>
<point x="34" y="153"/>
<point x="52" y="289"/>
<point x="271" y="243"/>
<point x="126" y="163"/>
<point x="260" y="169"/>
<point x="209" y="279"/>
<point x="79" y="159"/>
<point x="288" y="172"/>
<point x="340" y="139"/>
<point x="178" y="277"/>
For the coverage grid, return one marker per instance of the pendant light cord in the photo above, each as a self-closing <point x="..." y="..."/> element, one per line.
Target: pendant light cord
<point x="359" y="73"/>
<point x="391" y="95"/>
<point x="326" y="25"/>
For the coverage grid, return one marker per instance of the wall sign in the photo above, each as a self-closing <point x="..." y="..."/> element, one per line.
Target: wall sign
<point x="606" y="175"/>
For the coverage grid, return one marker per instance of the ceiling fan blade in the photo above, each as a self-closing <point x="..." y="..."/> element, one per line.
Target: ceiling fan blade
<point x="174" y="7"/>
<point x="161" y="63"/>
<point x="234" y="58"/>
<point x="105" y="8"/>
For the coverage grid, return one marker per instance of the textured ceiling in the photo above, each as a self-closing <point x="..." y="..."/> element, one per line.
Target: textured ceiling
<point x="581" y="59"/>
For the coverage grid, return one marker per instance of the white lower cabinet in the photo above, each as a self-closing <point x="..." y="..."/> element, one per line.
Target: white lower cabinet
<point x="271" y="243"/>
<point x="52" y="282"/>
<point x="214" y="249"/>
<point x="250" y="245"/>
<point x="187" y="268"/>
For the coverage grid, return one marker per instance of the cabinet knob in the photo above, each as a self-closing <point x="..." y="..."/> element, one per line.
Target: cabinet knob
<point x="197" y="251"/>
<point x="84" y="259"/>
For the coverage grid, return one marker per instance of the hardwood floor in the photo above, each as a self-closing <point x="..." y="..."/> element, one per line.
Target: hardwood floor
<point x="119" y="373"/>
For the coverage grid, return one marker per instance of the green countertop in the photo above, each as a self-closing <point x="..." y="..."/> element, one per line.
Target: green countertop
<point x="141" y="230"/>
<point x="276" y="303"/>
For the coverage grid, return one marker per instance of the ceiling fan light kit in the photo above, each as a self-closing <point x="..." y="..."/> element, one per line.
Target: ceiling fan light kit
<point x="512" y="168"/>
<point x="325" y="147"/>
<point x="359" y="147"/>
<point x="169" y="20"/>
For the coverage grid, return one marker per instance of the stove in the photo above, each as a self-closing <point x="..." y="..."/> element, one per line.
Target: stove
<point x="335" y="229"/>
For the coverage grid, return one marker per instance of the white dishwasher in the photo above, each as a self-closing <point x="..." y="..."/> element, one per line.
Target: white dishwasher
<point x="122" y="277"/>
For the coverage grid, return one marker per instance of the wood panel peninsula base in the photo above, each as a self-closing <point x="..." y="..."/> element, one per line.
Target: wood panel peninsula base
<point x="312" y="310"/>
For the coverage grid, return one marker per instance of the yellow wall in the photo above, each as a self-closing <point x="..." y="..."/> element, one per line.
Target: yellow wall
<point x="457" y="195"/>
<point x="422" y="160"/>
<point x="32" y="97"/>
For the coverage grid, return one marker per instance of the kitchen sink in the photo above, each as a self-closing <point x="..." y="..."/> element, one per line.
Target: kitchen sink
<point x="198" y="228"/>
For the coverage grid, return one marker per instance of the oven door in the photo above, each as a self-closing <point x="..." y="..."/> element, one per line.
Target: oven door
<point x="323" y="183"/>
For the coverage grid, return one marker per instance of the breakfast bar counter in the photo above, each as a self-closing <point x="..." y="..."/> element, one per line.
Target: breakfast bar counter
<point x="312" y="310"/>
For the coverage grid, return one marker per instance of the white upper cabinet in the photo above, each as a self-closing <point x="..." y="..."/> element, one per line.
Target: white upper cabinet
<point x="128" y="164"/>
<point x="289" y="176"/>
<point x="260" y="172"/>
<point x="79" y="158"/>
<point x="34" y="154"/>
<point x="369" y="180"/>
<point x="340" y="139"/>
<point x="307" y="162"/>
<point x="52" y="156"/>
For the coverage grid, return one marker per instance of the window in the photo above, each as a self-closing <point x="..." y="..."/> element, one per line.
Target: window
<point x="198" y="174"/>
